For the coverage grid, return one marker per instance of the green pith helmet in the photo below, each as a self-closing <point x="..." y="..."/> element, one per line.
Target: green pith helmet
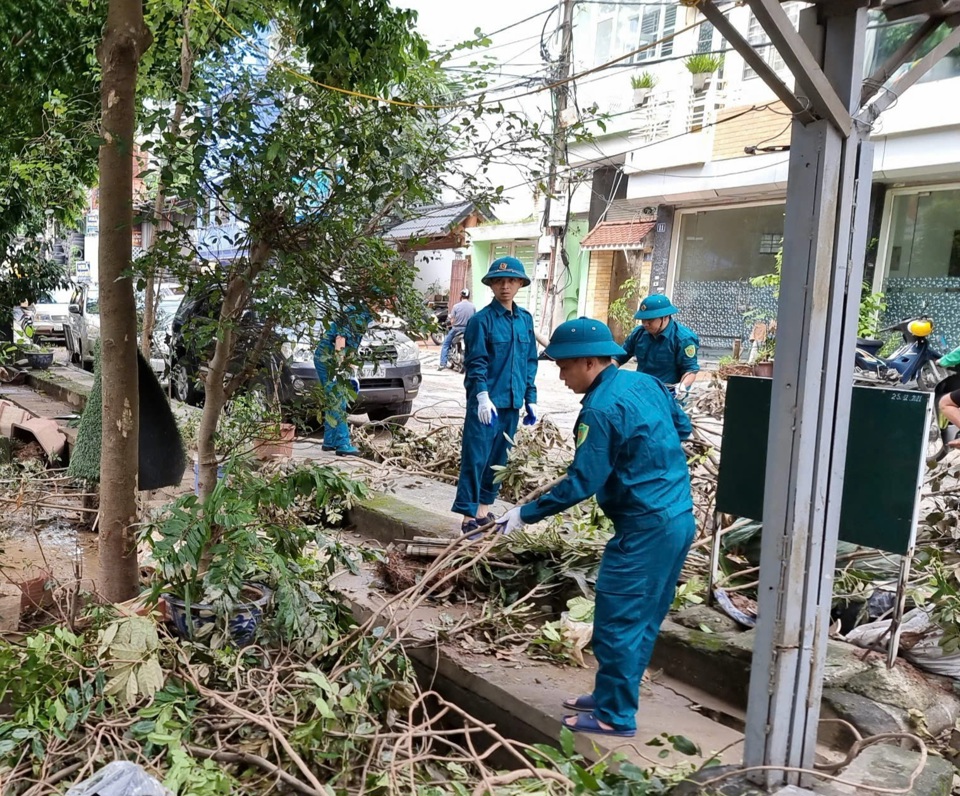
<point x="656" y="305"/>
<point x="583" y="337"/>
<point x="506" y="267"/>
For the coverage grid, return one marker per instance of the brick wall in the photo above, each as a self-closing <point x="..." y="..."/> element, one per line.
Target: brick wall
<point x="598" y="284"/>
<point x="769" y="127"/>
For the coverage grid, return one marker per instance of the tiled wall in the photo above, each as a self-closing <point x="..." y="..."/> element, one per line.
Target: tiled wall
<point x="721" y="311"/>
<point x="938" y="297"/>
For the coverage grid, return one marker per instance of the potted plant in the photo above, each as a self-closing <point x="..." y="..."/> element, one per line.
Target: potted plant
<point x="221" y="561"/>
<point x="732" y="366"/>
<point x="701" y="66"/>
<point x="642" y="85"/>
<point x="38" y="356"/>
<point x="872" y="306"/>
<point x="763" y="364"/>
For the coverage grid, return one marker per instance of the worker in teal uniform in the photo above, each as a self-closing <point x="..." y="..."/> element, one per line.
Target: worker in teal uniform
<point x="342" y="337"/>
<point x="500" y="368"/>
<point x="663" y="347"/>
<point x="628" y="454"/>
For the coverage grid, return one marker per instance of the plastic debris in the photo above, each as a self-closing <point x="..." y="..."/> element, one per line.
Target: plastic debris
<point x="120" y="778"/>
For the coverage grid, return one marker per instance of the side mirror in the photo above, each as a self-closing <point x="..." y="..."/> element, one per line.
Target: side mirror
<point x="74" y="308"/>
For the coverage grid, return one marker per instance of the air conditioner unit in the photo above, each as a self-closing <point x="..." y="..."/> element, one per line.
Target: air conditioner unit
<point x="649" y="213"/>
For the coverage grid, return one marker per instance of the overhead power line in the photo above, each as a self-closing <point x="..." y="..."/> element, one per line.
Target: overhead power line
<point x="500" y="30"/>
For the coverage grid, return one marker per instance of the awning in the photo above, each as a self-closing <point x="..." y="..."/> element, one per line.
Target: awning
<point x="624" y="235"/>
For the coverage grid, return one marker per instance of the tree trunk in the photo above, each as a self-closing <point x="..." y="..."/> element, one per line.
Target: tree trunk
<point x="235" y="300"/>
<point x="151" y="297"/>
<point x="124" y="40"/>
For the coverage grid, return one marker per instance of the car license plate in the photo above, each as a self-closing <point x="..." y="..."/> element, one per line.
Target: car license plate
<point x="370" y="370"/>
<point x="58" y="327"/>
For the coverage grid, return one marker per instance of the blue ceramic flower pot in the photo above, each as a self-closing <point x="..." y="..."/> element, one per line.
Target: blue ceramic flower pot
<point x="39" y="360"/>
<point x="243" y="619"/>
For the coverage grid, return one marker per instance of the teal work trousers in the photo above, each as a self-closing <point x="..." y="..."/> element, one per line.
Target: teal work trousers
<point x="483" y="448"/>
<point x="635" y="589"/>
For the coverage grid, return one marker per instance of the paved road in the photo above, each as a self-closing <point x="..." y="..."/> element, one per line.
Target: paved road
<point x="442" y="393"/>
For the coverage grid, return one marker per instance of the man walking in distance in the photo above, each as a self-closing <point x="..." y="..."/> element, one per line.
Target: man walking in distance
<point x="460" y="315"/>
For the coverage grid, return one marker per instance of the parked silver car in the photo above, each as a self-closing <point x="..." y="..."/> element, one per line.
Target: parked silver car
<point x="83" y="328"/>
<point x="51" y="316"/>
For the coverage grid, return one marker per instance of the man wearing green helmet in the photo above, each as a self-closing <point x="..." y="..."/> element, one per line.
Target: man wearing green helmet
<point x="500" y="367"/>
<point x="663" y="347"/>
<point x="628" y="454"/>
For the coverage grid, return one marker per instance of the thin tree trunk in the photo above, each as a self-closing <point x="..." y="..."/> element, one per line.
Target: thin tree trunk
<point x="235" y="299"/>
<point x="151" y="296"/>
<point x="124" y="40"/>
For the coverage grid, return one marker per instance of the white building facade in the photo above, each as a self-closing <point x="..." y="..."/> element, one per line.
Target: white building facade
<point x="713" y="161"/>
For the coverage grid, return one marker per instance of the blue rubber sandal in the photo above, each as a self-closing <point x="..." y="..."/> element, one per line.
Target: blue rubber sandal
<point x="470" y="529"/>
<point x="585" y="703"/>
<point x="587" y="722"/>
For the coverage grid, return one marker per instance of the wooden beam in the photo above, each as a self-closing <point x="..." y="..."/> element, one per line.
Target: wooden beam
<point x="870" y="113"/>
<point x="897" y="59"/>
<point x="801" y="62"/>
<point x="756" y="61"/>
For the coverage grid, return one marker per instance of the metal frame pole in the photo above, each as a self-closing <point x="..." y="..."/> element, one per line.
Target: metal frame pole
<point x="827" y="193"/>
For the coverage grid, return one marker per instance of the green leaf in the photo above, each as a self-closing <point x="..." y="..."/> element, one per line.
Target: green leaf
<point x="566" y="741"/>
<point x="684" y="745"/>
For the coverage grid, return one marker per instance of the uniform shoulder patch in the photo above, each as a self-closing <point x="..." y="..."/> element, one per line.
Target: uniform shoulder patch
<point x="582" y="430"/>
<point x="690" y="350"/>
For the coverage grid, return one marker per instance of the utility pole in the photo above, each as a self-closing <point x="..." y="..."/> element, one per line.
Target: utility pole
<point x="561" y="95"/>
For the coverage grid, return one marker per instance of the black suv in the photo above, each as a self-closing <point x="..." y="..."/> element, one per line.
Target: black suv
<point x="389" y="379"/>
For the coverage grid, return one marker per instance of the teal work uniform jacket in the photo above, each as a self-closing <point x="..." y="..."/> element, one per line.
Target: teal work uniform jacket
<point x="667" y="355"/>
<point x="351" y="327"/>
<point x="628" y="454"/>
<point x="501" y="356"/>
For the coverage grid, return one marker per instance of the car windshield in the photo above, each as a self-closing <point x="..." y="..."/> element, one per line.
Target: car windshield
<point x="166" y="309"/>
<point x="55" y="297"/>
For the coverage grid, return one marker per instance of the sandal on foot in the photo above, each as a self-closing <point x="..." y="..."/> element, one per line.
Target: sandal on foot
<point x="585" y="703"/>
<point x="587" y="722"/>
<point x="470" y="529"/>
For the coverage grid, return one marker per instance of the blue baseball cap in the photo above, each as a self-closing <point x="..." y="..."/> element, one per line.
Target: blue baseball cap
<point x="504" y="268"/>
<point x="583" y="337"/>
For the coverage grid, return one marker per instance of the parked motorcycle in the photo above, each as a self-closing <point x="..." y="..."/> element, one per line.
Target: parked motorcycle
<point x="457" y="353"/>
<point x="913" y="364"/>
<point x="439" y="313"/>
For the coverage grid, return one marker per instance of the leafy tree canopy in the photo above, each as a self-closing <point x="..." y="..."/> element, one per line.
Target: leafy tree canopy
<point x="364" y="45"/>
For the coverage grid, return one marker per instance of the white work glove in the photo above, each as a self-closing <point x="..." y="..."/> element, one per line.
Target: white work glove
<point x="486" y="411"/>
<point x="510" y="522"/>
<point x="682" y="393"/>
<point x="531" y="416"/>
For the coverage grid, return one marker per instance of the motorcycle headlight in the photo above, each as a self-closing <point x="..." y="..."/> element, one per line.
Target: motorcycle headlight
<point x="920" y="328"/>
<point x="407" y="352"/>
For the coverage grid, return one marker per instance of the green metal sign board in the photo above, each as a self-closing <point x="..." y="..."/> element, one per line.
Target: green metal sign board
<point x="885" y="449"/>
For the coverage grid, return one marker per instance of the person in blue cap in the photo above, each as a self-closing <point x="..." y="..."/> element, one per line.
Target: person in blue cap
<point x="628" y="454"/>
<point x="663" y="347"/>
<point x="342" y="336"/>
<point x="500" y="367"/>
